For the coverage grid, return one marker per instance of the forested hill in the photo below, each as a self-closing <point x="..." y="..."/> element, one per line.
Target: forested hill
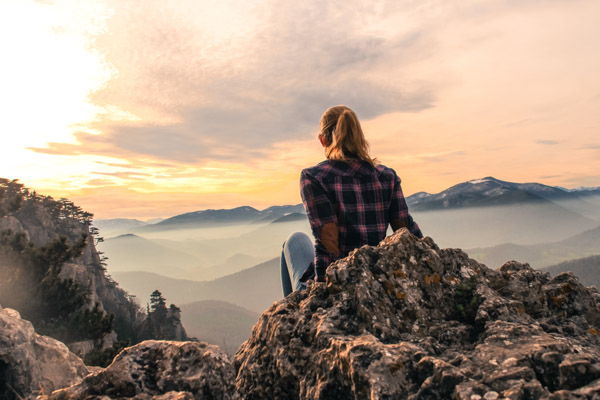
<point x="51" y="272"/>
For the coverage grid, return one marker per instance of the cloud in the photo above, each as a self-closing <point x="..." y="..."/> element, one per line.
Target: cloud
<point x="129" y="175"/>
<point x="202" y="96"/>
<point x="547" y="141"/>
<point x="549" y="176"/>
<point x="440" y="157"/>
<point x="99" y="182"/>
<point x="228" y="80"/>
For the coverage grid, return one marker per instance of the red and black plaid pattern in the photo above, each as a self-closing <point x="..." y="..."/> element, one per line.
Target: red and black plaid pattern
<point x="360" y="198"/>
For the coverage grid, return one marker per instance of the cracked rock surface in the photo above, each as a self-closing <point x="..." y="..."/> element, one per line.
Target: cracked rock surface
<point x="30" y="363"/>
<point x="160" y="370"/>
<point x="408" y="320"/>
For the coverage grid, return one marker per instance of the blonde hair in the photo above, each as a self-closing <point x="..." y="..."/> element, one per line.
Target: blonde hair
<point x="343" y="133"/>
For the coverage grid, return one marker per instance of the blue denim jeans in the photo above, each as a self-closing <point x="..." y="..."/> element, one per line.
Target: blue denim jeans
<point x="297" y="254"/>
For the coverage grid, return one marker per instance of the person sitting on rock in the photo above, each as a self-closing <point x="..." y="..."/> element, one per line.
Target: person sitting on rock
<point x="349" y="199"/>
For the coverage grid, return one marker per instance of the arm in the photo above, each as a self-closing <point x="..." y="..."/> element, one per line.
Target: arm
<point x="322" y="219"/>
<point x="330" y="238"/>
<point x="399" y="216"/>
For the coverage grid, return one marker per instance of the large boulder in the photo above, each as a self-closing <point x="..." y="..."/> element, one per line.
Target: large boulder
<point x="30" y="363"/>
<point x="408" y="320"/>
<point x="160" y="369"/>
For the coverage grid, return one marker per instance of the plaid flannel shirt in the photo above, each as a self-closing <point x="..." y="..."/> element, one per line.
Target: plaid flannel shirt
<point x="360" y="198"/>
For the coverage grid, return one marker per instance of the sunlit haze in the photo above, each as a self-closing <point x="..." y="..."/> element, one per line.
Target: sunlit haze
<point x="150" y="109"/>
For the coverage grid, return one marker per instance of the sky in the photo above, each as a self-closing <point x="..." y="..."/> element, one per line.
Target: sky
<point x="145" y="109"/>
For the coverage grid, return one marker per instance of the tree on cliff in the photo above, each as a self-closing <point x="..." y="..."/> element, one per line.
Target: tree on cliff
<point x="162" y="322"/>
<point x="57" y="307"/>
<point x="158" y="305"/>
<point x="32" y="265"/>
<point x="51" y="272"/>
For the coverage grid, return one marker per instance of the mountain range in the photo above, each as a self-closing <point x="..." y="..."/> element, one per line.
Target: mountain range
<point x="479" y="214"/>
<point x="483" y="192"/>
<point x="211" y="217"/>
<point x="542" y="254"/>
<point x="129" y="252"/>
<point x="254" y="288"/>
<point x="490" y="191"/>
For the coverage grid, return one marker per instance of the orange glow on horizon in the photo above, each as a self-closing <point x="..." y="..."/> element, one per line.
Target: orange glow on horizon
<point x="139" y="120"/>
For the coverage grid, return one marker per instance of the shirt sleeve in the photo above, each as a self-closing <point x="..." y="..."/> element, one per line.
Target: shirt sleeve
<point x="320" y="211"/>
<point x="318" y="207"/>
<point x="399" y="209"/>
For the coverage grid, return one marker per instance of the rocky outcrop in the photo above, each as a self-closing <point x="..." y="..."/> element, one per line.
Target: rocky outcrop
<point x="403" y="320"/>
<point x="42" y="221"/>
<point x="157" y="369"/>
<point x="407" y="320"/>
<point x="32" y="363"/>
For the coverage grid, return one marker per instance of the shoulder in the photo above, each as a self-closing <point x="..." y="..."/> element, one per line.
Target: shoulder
<point x="386" y="172"/>
<point x="318" y="171"/>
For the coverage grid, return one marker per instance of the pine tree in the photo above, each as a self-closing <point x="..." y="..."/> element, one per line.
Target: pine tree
<point x="158" y="314"/>
<point x="158" y="305"/>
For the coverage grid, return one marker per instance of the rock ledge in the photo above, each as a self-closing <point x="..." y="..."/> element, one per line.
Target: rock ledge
<point x="408" y="320"/>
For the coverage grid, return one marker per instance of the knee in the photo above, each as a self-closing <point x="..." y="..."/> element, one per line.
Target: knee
<point x="297" y="238"/>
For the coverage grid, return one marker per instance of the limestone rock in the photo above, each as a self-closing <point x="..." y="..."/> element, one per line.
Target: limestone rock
<point x="32" y="363"/>
<point x="160" y="369"/>
<point x="408" y="320"/>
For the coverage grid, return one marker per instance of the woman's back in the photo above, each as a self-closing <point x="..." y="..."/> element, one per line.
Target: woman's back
<point x="350" y="200"/>
<point x="360" y="198"/>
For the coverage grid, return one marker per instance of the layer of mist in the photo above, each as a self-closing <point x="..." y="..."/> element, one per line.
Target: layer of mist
<point x="218" y="322"/>
<point x="543" y="254"/>
<point x="188" y="254"/>
<point x="254" y="288"/>
<point x="225" y="274"/>
<point x="209" y="252"/>
<point x="523" y="224"/>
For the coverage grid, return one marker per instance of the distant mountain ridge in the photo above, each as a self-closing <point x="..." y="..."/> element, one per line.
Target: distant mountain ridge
<point x="154" y="257"/>
<point x="585" y="190"/>
<point x="242" y="214"/>
<point x="253" y="288"/>
<point x="541" y="255"/>
<point x="490" y="191"/>
<point x="290" y="217"/>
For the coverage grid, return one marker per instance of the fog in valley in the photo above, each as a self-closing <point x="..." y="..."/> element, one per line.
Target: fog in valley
<point x="231" y="269"/>
<point x="209" y="252"/>
<point x="192" y="254"/>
